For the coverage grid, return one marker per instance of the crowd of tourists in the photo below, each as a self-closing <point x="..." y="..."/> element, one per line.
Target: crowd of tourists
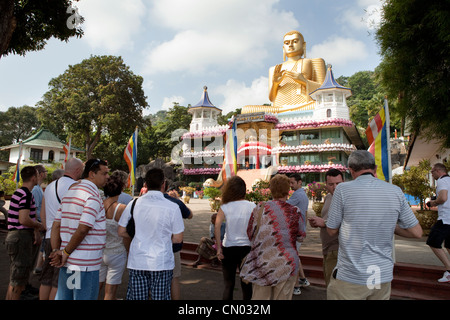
<point x="83" y="232"/>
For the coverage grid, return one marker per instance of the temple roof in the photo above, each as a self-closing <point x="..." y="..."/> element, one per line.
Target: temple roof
<point x="43" y="138"/>
<point x="331" y="83"/>
<point x="205" y="102"/>
<point x="42" y="135"/>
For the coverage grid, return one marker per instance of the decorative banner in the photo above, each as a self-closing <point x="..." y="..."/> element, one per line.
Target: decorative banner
<point x="16" y="175"/>
<point x="130" y="156"/>
<point x="378" y="136"/>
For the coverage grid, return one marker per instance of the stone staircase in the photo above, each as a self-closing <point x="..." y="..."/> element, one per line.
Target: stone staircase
<point x="411" y="281"/>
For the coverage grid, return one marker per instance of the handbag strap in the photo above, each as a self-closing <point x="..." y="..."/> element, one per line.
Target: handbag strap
<point x="132" y="206"/>
<point x="56" y="191"/>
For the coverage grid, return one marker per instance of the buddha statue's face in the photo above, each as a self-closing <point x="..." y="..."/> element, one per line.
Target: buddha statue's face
<point x="293" y="45"/>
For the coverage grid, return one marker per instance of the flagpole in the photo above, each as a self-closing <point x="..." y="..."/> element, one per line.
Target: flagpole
<point x="70" y="146"/>
<point x="132" y="188"/>
<point x="388" y="137"/>
<point x="18" y="165"/>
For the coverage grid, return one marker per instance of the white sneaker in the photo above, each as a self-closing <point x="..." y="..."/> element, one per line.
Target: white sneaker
<point x="297" y="291"/>
<point x="445" y="277"/>
<point x="303" y="283"/>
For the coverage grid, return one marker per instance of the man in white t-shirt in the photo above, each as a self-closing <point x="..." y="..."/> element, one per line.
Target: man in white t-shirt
<point x="53" y="194"/>
<point x="440" y="232"/>
<point x="158" y="224"/>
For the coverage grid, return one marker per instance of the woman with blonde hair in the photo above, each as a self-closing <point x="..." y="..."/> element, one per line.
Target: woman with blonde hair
<point x="236" y="211"/>
<point x="273" y="262"/>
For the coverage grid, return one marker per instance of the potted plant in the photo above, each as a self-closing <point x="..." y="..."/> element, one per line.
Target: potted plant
<point x="316" y="191"/>
<point x="187" y="193"/>
<point x="260" y="192"/>
<point x="213" y="194"/>
<point x="415" y="182"/>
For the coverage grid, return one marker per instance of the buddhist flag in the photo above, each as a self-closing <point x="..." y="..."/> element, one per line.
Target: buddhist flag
<point x="130" y="156"/>
<point x="66" y="149"/>
<point x="230" y="161"/>
<point x="378" y="138"/>
<point x="16" y="175"/>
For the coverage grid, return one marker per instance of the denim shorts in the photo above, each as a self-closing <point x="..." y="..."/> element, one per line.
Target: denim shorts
<point x="439" y="233"/>
<point x="77" y="285"/>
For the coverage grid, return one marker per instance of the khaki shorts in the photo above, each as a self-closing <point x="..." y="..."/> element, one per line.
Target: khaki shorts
<point x="49" y="275"/>
<point x="19" y="246"/>
<point x="342" y="290"/>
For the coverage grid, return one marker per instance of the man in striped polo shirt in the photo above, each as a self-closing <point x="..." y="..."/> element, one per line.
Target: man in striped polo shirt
<point x="79" y="234"/>
<point x="23" y="232"/>
<point x="366" y="212"/>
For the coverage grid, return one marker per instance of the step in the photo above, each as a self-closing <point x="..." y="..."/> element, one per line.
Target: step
<point x="418" y="282"/>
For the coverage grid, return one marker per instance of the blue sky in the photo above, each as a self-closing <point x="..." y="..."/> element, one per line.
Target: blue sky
<point x="179" y="46"/>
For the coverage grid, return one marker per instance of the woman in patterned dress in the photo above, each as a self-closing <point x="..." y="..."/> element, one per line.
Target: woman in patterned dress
<point x="273" y="262"/>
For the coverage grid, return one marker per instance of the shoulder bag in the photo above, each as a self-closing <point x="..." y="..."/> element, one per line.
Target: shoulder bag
<point x="131" y="226"/>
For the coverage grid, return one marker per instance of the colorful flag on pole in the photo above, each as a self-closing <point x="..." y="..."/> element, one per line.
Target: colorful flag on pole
<point x="16" y="175"/>
<point x="230" y="160"/>
<point x="66" y="149"/>
<point x="378" y="137"/>
<point x="130" y="156"/>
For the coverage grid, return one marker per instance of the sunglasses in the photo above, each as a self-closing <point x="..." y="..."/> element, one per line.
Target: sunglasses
<point x="96" y="162"/>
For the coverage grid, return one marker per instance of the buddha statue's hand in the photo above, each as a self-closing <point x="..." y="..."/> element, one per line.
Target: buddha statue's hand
<point x="278" y="75"/>
<point x="296" y="76"/>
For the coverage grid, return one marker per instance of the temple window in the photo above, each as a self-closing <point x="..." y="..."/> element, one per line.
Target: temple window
<point x="333" y="133"/>
<point x="309" y="135"/>
<point x="51" y="155"/>
<point x="36" y="154"/>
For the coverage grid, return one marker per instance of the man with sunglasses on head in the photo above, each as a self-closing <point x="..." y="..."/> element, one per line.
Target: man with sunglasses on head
<point x="79" y="235"/>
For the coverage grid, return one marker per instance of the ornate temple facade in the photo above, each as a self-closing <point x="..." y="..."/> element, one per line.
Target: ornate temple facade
<point x="307" y="128"/>
<point x="308" y="141"/>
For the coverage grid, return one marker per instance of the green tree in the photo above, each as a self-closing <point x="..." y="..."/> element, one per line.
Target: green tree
<point x="415" y="46"/>
<point x="16" y="124"/>
<point x="415" y="182"/>
<point x="100" y="95"/>
<point x="26" y="25"/>
<point x="367" y="99"/>
<point x="169" y="131"/>
<point x="223" y="119"/>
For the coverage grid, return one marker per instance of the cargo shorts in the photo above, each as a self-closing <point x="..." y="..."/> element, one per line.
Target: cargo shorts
<point x="19" y="246"/>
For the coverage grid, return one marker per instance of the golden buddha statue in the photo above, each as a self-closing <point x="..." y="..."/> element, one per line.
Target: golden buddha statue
<point x="291" y="82"/>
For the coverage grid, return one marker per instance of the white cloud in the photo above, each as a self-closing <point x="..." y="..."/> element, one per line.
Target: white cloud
<point x="111" y="24"/>
<point x="237" y="94"/>
<point x="224" y="35"/>
<point x="365" y="15"/>
<point x="373" y="17"/>
<point x="168" y="102"/>
<point x="339" y="51"/>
